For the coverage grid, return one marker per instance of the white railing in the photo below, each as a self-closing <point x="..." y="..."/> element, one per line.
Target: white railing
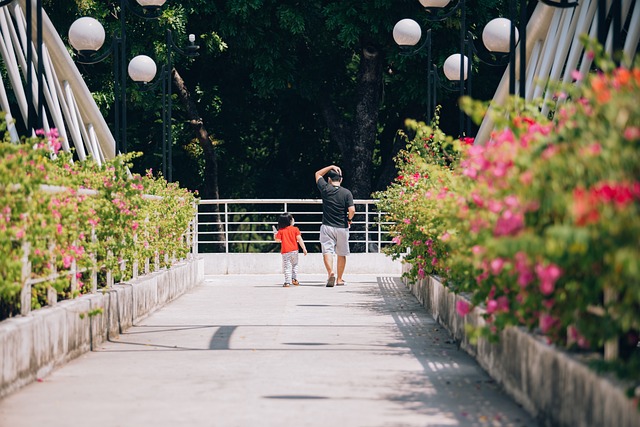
<point x="244" y="225"/>
<point x="189" y="237"/>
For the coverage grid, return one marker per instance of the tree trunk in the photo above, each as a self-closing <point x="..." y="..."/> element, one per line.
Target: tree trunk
<point x="210" y="189"/>
<point x="357" y="139"/>
<point x="365" y="130"/>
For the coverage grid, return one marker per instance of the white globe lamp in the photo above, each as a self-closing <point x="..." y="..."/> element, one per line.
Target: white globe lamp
<point x="142" y="69"/>
<point x="497" y="34"/>
<point x="407" y="32"/>
<point x="151" y="3"/>
<point x="86" y="34"/>
<point x="434" y="3"/>
<point x="451" y="67"/>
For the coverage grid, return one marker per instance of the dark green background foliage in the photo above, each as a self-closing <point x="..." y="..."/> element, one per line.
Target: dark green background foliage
<point x="281" y="87"/>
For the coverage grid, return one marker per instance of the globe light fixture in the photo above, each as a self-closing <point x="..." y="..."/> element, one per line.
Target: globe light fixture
<point x="434" y="3"/>
<point x="142" y="69"/>
<point x="151" y="3"/>
<point x="407" y="32"/>
<point x="151" y="7"/>
<point x="451" y="67"/>
<point x="86" y="35"/>
<point x="496" y="34"/>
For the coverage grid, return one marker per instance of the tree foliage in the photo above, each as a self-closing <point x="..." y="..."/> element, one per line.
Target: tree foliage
<point x="283" y="87"/>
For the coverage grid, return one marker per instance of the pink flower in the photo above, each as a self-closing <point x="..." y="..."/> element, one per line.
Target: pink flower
<point x="547" y="322"/>
<point x="59" y="228"/>
<point x="548" y="276"/>
<point x="576" y="75"/>
<point x="575" y="336"/>
<point x="20" y="233"/>
<point x="462" y="307"/>
<point x="525" y="275"/>
<point x="477" y="250"/>
<point x="526" y="178"/>
<point x="492" y="306"/>
<point x="509" y="224"/>
<point x="632" y="133"/>
<point x="503" y="303"/>
<point x="477" y="199"/>
<point x="496" y="266"/>
<point x="66" y="261"/>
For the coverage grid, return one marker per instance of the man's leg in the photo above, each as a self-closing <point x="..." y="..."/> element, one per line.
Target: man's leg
<point x="342" y="263"/>
<point x="328" y="263"/>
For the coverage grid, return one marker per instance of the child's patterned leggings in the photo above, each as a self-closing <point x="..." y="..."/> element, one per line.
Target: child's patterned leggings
<point x="290" y="266"/>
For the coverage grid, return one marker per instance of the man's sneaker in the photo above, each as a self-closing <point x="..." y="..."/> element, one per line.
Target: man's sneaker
<point x="286" y="285"/>
<point x="294" y="282"/>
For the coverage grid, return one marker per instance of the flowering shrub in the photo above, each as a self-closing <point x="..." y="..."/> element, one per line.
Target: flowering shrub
<point x="544" y="226"/>
<point x="421" y="200"/>
<point x="67" y="228"/>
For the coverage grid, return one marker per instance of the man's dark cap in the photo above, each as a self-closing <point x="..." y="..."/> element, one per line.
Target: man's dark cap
<point x="334" y="175"/>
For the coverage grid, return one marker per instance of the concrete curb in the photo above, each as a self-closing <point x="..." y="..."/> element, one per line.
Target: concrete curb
<point x="32" y="346"/>
<point x="271" y="263"/>
<point x="549" y="383"/>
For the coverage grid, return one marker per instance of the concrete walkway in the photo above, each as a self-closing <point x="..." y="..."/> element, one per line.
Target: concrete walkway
<point x="243" y="351"/>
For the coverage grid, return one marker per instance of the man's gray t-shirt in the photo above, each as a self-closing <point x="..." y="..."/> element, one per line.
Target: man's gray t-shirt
<point x="335" y="202"/>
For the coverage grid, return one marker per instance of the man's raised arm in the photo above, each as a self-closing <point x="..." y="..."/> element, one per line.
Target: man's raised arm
<point x="320" y="173"/>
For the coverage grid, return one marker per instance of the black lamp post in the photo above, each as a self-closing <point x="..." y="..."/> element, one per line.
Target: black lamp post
<point x="142" y="70"/>
<point x="87" y="35"/>
<point x="495" y="40"/>
<point x="407" y="33"/>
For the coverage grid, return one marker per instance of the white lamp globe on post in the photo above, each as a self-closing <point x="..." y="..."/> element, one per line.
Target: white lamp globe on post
<point x="451" y="67"/>
<point x="151" y="5"/>
<point x="496" y="35"/>
<point x="142" y="69"/>
<point x="434" y="3"/>
<point x="407" y="32"/>
<point x="86" y="35"/>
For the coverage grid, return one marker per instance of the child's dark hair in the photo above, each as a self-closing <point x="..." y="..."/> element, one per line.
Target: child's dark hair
<point x="284" y="220"/>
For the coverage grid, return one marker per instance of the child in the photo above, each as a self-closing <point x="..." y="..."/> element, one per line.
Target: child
<point x="290" y="237"/>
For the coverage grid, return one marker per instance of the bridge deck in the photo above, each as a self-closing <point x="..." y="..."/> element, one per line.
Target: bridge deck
<point x="243" y="351"/>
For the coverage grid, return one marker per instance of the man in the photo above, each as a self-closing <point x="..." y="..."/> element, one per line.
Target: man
<point x="337" y="212"/>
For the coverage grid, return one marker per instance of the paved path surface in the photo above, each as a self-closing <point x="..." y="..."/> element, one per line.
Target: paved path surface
<point x="243" y="351"/>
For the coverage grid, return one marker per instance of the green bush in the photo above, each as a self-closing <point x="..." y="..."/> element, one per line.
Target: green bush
<point x="67" y="227"/>
<point x="541" y="225"/>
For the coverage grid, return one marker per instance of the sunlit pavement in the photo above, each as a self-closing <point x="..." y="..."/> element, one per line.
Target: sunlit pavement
<point x="244" y="351"/>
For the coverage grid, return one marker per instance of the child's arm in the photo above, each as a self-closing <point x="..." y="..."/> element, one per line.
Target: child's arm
<point x="275" y="234"/>
<point x="301" y="243"/>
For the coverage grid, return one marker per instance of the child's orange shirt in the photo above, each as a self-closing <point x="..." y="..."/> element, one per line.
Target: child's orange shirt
<point x="289" y="237"/>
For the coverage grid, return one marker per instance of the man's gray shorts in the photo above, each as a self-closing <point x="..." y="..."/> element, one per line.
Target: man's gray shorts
<point x="334" y="240"/>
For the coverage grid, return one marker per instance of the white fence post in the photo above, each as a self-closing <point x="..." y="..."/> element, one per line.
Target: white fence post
<point x="109" y="273"/>
<point x="611" y="347"/>
<point x="94" y="263"/>
<point x="134" y="266"/>
<point x="25" y="292"/>
<point x="52" y="295"/>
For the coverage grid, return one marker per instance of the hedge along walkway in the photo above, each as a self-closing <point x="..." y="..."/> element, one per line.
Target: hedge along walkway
<point x="244" y="351"/>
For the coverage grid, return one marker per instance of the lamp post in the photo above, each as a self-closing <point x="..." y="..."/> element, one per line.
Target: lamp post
<point x="142" y="70"/>
<point x="407" y="33"/>
<point x="87" y="36"/>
